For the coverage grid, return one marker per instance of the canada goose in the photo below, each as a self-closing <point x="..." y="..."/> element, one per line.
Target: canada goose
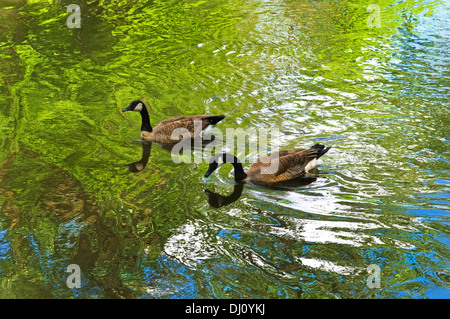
<point x="273" y="169"/>
<point x="162" y="133"/>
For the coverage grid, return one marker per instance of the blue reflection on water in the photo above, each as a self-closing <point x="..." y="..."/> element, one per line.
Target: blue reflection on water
<point x="158" y="284"/>
<point x="427" y="211"/>
<point x="4" y="245"/>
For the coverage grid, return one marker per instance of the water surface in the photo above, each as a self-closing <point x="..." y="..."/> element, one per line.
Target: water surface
<point x="314" y="70"/>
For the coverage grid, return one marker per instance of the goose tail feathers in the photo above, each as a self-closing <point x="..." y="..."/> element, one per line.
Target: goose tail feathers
<point x="213" y="120"/>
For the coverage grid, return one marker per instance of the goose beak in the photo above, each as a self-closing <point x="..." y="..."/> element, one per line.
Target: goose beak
<point x="212" y="167"/>
<point x="209" y="172"/>
<point x="126" y="109"/>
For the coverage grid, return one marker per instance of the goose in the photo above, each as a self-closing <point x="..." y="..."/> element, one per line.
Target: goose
<point x="275" y="168"/>
<point x="162" y="133"/>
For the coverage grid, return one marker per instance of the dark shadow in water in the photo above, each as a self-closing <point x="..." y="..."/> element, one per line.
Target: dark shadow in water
<point x="216" y="200"/>
<point x="298" y="182"/>
<point x="176" y="148"/>
<point x="138" y="166"/>
<point x="80" y="235"/>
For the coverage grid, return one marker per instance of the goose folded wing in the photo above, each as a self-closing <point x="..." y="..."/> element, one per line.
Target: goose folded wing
<point x="199" y="122"/>
<point x="287" y="163"/>
<point x="182" y="118"/>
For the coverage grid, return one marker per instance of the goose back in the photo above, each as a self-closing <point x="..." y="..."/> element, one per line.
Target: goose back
<point x="192" y="125"/>
<point x="281" y="166"/>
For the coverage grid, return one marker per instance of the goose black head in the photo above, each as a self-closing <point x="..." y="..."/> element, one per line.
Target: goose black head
<point x="226" y="158"/>
<point x="213" y="164"/>
<point x="137" y="106"/>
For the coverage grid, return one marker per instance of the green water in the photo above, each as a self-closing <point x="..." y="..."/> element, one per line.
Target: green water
<point x="314" y="70"/>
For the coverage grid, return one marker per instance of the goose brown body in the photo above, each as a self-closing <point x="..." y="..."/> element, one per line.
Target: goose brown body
<point x="281" y="166"/>
<point x="166" y="131"/>
<point x="274" y="168"/>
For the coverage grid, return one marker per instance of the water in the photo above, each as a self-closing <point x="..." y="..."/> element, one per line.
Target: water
<point x="313" y="70"/>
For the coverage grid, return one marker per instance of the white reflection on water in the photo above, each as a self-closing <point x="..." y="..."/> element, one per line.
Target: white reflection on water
<point x="327" y="266"/>
<point x="321" y="202"/>
<point x="190" y="244"/>
<point x="320" y="231"/>
<point x="198" y="241"/>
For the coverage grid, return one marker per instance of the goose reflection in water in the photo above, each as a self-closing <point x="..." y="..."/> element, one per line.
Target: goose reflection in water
<point x="217" y="200"/>
<point x="176" y="148"/>
<point x="138" y="166"/>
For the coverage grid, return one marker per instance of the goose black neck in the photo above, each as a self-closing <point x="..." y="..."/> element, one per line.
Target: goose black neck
<point x="239" y="173"/>
<point x="145" y="120"/>
<point x="146" y="149"/>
